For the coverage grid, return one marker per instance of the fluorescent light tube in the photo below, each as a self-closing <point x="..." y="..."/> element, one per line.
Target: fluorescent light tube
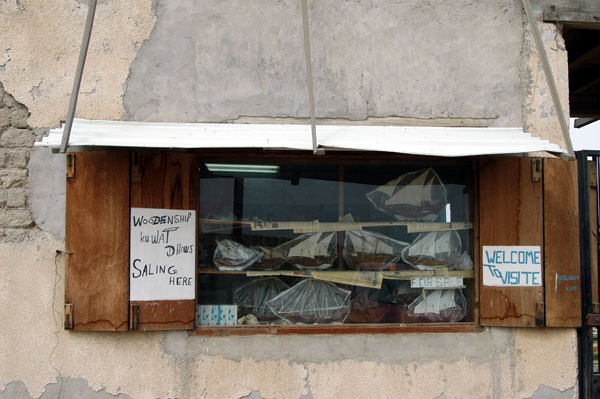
<point x="237" y="168"/>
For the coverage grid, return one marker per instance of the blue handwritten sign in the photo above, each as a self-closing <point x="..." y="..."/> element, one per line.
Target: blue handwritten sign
<point x="515" y="266"/>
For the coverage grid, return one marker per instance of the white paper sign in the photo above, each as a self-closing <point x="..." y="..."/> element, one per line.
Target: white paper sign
<point x="162" y="254"/>
<point x="436" y="282"/>
<point x="518" y="266"/>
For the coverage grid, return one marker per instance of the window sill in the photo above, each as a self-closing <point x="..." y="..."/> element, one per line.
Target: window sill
<point x="222" y="331"/>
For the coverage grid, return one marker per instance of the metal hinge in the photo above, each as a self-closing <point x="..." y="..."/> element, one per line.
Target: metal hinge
<point x="70" y="165"/>
<point x="536" y="170"/>
<point x="540" y="316"/>
<point x="136" y="167"/>
<point x="134" y="317"/>
<point x="68" y="316"/>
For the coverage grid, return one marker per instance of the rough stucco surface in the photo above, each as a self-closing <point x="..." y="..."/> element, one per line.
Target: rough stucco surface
<point x="540" y="116"/>
<point x="64" y="388"/>
<point x="37" y="356"/>
<point x="47" y="191"/>
<point x="218" y="60"/>
<point x="39" y="48"/>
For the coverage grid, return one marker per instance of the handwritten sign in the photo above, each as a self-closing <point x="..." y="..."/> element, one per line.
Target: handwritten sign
<point x="436" y="282"/>
<point x="518" y="266"/>
<point x="162" y="254"/>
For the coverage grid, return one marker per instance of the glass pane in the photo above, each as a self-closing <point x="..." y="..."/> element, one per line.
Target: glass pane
<point x="335" y="242"/>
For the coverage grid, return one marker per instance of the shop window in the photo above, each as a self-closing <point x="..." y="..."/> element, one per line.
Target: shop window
<point x="336" y="243"/>
<point x="291" y="242"/>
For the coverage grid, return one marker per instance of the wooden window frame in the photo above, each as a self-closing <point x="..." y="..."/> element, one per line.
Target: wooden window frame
<point x="117" y="170"/>
<point x="336" y="329"/>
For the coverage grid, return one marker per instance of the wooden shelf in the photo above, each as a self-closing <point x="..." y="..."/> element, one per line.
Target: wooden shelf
<point x="317" y="226"/>
<point x="394" y="275"/>
<point x="213" y="271"/>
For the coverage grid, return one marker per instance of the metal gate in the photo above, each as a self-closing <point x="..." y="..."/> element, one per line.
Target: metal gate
<point x="589" y="371"/>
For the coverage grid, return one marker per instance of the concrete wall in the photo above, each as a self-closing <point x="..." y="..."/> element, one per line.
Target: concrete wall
<point x="38" y="357"/>
<point x="400" y="61"/>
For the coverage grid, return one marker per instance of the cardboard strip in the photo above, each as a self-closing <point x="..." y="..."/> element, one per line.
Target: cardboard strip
<point x="442" y="272"/>
<point x="318" y="227"/>
<point x="361" y="279"/>
<point x="433" y="226"/>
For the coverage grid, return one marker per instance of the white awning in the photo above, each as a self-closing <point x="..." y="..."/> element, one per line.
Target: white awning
<point x="415" y="140"/>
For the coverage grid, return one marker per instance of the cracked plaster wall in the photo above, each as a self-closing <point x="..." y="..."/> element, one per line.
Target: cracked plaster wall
<point x="540" y="116"/>
<point x="38" y="357"/>
<point x="39" y="48"/>
<point x="192" y="61"/>
<point x="219" y="60"/>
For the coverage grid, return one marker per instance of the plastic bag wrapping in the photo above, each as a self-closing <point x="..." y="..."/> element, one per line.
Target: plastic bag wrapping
<point x="438" y="306"/>
<point x="270" y="258"/>
<point x="366" y="250"/>
<point x="312" y="251"/>
<point x="312" y="302"/>
<point x="233" y="256"/>
<point x="463" y="262"/>
<point x="367" y="305"/>
<point x="433" y="250"/>
<point x="402" y="296"/>
<point x="252" y="297"/>
<point x="418" y="195"/>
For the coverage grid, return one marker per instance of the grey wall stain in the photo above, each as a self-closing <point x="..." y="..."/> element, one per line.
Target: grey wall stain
<point x="87" y="2"/>
<point x="420" y="348"/>
<point x="545" y="392"/>
<point x="47" y="190"/>
<point x="67" y="388"/>
<point x="217" y="60"/>
<point x="252" y="395"/>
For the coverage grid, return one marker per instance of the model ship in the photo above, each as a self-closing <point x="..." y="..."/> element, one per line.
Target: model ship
<point x="314" y="251"/>
<point x="312" y="301"/>
<point x="433" y="250"/>
<point x="366" y="250"/>
<point x="418" y="195"/>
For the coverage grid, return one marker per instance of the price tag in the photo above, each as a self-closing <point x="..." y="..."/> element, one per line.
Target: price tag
<point x="436" y="282"/>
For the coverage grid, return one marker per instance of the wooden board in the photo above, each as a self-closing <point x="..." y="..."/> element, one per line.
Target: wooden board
<point x="510" y="213"/>
<point x="164" y="315"/>
<point x="97" y="241"/>
<point x="561" y="251"/>
<point x="593" y="215"/>
<point x="165" y="181"/>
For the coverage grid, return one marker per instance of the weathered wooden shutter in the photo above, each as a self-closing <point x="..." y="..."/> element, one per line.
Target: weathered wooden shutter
<point x="97" y="240"/>
<point x="164" y="181"/>
<point x="593" y="220"/>
<point x="561" y="250"/>
<point x="511" y="213"/>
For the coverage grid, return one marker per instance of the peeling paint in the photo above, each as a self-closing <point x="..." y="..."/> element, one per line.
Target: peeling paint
<point x="243" y="62"/>
<point x="539" y="114"/>
<point x="499" y="362"/>
<point x="544" y="392"/>
<point x="64" y="388"/>
<point x="40" y="57"/>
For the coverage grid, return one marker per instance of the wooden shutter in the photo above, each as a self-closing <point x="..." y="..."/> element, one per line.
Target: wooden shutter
<point x="97" y="240"/>
<point x="561" y="251"/>
<point x="511" y="213"/>
<point x="165" y="181"/>
<point x="593" y="219"/>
